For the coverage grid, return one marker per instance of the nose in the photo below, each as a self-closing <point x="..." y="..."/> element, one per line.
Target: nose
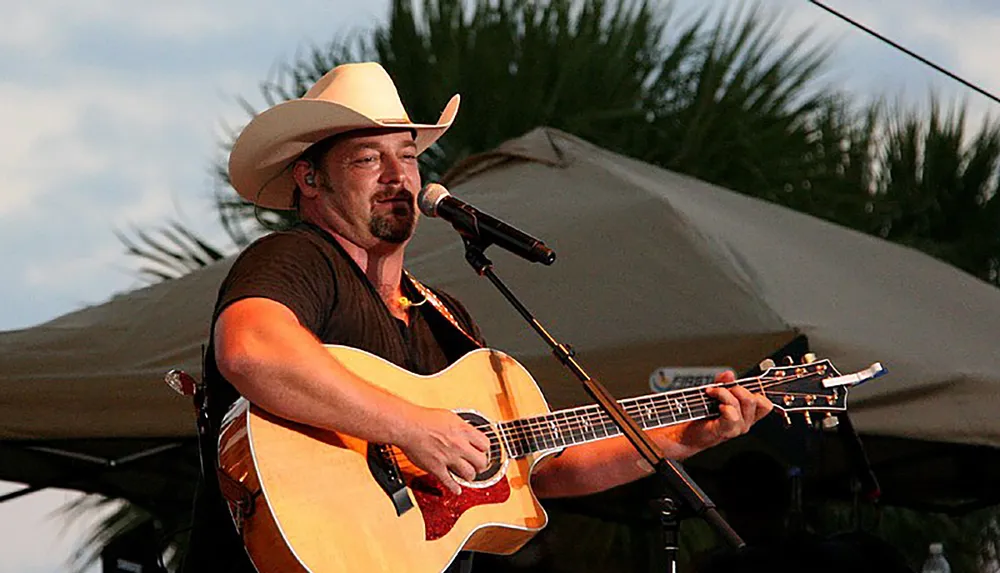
<point x="393" y="170"/>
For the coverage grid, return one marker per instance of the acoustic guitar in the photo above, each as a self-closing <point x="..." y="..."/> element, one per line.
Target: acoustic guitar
<point x="305" y="499"/>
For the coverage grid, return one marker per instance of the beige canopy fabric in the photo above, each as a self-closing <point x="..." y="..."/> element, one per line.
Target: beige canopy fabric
<point x="654" y="269"/>
<point x="98" y="372"/>
<point x="83" y="404"/>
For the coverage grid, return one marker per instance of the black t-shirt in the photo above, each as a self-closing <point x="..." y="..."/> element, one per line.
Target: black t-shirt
<point x="306" y="270"/>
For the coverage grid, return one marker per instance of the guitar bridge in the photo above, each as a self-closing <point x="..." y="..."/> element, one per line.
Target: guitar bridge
<point x="386" y="473"/>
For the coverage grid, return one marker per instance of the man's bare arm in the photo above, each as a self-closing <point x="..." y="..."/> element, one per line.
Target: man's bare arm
<point x="274" y="362"/>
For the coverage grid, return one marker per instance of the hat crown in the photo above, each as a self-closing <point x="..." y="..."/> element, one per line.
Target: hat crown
<point x="365" y="88"/>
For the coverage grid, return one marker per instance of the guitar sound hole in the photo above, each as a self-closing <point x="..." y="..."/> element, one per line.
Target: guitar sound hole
<point x="495" y="456"/>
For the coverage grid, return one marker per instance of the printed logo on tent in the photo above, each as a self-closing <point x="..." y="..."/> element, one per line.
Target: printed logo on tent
<point x="666" y="378"/>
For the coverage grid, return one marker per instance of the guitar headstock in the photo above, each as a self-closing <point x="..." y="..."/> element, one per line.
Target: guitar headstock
<point x="810" y="386"/>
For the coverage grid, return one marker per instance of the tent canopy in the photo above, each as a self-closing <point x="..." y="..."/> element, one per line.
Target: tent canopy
<point x="654" y="269"/>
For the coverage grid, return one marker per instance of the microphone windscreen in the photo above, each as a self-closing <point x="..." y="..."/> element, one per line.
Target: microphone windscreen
<point x="429" y="197"/>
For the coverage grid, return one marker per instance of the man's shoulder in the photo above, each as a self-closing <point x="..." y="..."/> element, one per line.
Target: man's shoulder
<point x="298" y="240"/>
<point x="296" y="233"/>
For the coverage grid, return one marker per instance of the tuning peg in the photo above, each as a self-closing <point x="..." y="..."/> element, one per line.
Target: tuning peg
<point x="789" y="360"/>
<point x="766" y="364"/>
<point x="809" y="358"/>
<point x="830" y="421"/>
<point x="809" y="420"/>
<point x="788" y="419"/>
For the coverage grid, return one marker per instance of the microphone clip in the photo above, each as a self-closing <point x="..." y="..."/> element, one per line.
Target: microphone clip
<point x="475" y="253"/>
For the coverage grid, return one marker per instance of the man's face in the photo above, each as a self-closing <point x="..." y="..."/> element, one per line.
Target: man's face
<point x="372" y="179"/>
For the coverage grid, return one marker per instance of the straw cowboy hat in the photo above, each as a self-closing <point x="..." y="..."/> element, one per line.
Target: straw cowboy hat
<point x="348" y="97"/>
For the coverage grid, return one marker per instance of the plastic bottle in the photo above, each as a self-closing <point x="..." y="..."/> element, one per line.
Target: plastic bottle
<point x="936" y="563"/>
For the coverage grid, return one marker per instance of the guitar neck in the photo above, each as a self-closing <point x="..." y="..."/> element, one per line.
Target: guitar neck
<point x="585" y="424"/>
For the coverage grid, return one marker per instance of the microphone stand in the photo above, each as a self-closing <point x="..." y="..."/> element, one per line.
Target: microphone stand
<point x="668" y="472"/>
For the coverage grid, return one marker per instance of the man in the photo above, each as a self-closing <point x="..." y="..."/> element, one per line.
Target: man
<point x="345" y="157"/>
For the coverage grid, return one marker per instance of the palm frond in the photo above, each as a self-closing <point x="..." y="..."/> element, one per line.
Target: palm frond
<point x="938" y="186"/>
<point x="120" y="518"/>
<point x="169" y="252"/>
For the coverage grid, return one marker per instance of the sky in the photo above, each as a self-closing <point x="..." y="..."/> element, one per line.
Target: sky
<point x="112" y="111"/>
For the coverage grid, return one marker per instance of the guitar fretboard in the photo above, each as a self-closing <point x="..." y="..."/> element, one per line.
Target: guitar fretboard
<point x="590" y="423"/>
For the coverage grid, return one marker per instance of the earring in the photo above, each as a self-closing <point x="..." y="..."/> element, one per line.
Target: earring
<point x="311" y="179"/>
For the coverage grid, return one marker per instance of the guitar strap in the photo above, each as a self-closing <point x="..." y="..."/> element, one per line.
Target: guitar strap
<point x="464" y="561"/>
<point x="439" y="306"/>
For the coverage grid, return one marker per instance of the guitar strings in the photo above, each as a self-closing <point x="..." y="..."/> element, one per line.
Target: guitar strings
<point x="521" y="437"/>
<point x="654" y="404"/>
<point x="551" y="432"/>
<point x="536" y="434"/>
<point x="591" y="422"/>
<point x="699" y="394"/>
<point x="524" y="434"/>
<point x="594" y="419"/>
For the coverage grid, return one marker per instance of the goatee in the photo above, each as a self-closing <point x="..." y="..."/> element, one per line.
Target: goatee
<point x="396" y="226"/>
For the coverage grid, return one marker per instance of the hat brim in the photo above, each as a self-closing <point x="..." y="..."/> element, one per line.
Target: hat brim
<point x="260" y="159"/>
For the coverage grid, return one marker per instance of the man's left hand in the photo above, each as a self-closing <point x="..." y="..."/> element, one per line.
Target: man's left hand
<point x="738" y="410"/>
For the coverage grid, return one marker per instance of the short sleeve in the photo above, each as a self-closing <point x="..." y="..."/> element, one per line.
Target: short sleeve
<point x="289" y="269"/>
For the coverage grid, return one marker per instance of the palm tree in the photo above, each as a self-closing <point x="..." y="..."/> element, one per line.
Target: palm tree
<point x="938" y="189"/>
<point x="717" y="100"/>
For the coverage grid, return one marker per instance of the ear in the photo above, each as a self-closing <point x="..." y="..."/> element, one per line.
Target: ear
<point x="305" y="178"/>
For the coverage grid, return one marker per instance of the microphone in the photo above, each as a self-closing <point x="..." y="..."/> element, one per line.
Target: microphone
<point x="435" y="201"/>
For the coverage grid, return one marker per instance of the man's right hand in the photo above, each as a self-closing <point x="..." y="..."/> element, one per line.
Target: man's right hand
<point x="441" y="443"/>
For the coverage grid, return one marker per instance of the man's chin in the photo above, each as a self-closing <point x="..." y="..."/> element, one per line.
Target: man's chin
<point x="395" y="230"/>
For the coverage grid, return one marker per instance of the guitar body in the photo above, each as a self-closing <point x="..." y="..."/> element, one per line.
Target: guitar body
<point x="306" y="499"/>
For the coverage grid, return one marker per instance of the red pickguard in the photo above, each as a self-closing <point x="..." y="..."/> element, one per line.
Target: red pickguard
<point x="441" y="508"/>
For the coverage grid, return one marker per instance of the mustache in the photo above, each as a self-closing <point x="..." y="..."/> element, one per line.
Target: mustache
<point x="395" y="194"/>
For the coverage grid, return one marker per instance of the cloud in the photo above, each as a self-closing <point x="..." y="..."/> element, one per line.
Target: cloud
<point x="968" y="40"/>
<point x="44" y="27"/>
<point x="56" y="138"/>
<point x="115" y="121"/>
<point x="958" y="36"/>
